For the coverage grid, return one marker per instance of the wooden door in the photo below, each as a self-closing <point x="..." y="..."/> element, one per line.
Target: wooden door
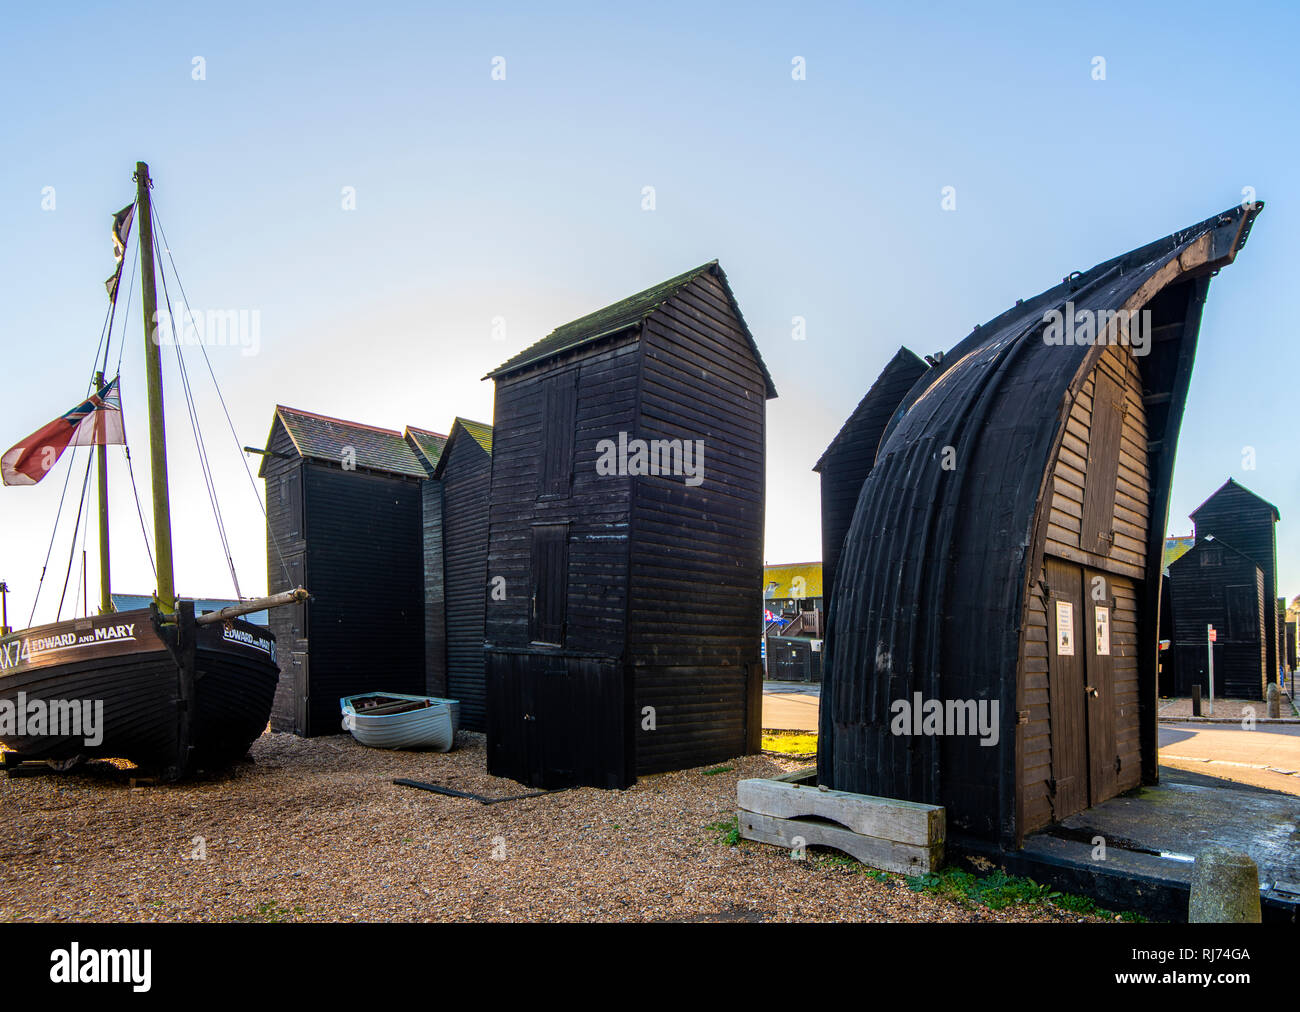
<point x="558" y="430"/>
<point x="1243" y="610"/>
<point x="550" y="583"/>
<point x="1065" y="673"/>
<point x="1100" y="688"/>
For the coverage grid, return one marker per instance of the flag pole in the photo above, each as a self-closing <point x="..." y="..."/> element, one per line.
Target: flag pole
<point x="101" y="449"/>
<point x="162" y="523"/>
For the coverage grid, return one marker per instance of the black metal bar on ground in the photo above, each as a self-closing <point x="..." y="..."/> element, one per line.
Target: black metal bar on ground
<point x="421" y="785"/>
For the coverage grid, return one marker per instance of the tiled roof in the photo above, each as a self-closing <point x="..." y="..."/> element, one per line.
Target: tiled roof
<point x="481" y="432"/>
<point x="784" y="576"/>
<point x="319" y="437"/>
<point x="464" y="428"/>
<point x="620" y="316"/>
<point x="428" y="445"/>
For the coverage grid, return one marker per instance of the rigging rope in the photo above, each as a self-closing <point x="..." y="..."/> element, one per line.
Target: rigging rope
<point x="122" y="343"/>
<point x="53" y="537"/>
<point x="144" y="528"/>
<point x="275" y="544"/>
<point x="81" y="573"/>
<point x="112" y="312"/>
<point x="201" y="447"/>
<point x="105" y="330"/>
<point x="85" y="484"/>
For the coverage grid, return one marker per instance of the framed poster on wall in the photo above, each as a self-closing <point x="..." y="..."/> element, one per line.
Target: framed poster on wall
<point x="1065" y="628"/>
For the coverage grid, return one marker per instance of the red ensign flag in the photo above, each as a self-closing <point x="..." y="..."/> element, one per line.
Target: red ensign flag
<point x="95" y="421"/>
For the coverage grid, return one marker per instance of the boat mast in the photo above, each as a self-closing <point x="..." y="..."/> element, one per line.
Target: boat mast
<point x="162" y="521"/>
<point x="105" y="595"/>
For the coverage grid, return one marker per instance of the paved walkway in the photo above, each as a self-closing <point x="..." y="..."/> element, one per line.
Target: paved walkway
<point x="1235" y="708"/>
<point x="791" y="706"/>
<point x="1268" y="756"/>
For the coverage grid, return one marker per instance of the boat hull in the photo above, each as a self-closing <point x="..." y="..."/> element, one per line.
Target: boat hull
<point x="420" y="721"/>
<point x="174" y="697"/>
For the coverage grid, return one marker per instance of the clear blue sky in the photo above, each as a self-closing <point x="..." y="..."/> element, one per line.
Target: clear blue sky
<point x="521" y="198"/>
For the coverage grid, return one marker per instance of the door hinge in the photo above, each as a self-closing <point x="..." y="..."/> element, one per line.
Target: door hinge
<point x="1022" y="717"/>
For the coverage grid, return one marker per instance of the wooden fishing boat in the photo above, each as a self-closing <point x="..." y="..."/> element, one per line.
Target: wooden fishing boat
<point x="397" y="720"/>
<point x="159" y="686"/>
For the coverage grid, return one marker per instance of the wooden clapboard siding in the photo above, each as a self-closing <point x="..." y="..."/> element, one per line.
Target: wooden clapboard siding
<point x="596" y="509"/>
<point x="1098" y="515"/>
<point x="663" y="597"/>
<point x="940" y="581"/>
<point x="1239" y="517"/>
<point x="1036" y="749"/>
<point x="1120" y="509"/>
<point x="536" y="696"/>
<point x="697" y="553"/>
<point x="1124" y="646"/>
<point x="465" y="471"/>
<point x="699" y="714"/>
<point x="435" y="594"/>
<point x="284" y="551"/>
<point x="364" y="565"/>
<point x="1204" y="584"/>
<point x="347" y="519"/>
<point x="698" y="548"/>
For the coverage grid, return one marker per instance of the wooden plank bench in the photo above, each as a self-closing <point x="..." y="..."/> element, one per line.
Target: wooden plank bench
<point x="885" y="833"/>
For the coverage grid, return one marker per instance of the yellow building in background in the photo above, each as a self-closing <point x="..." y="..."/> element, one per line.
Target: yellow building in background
<point x="795" y="587"/>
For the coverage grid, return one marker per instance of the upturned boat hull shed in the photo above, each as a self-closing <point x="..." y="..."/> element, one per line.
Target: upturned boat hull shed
<point x="993" y="641"/>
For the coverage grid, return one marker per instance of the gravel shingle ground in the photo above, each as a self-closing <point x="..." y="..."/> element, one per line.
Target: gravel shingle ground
<point x="315" y="830"/>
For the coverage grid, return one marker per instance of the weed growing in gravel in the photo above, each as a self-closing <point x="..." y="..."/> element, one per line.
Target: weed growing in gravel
<point x="830" y="859"/>
<point x="998" y="890"/>
<point x="727" y="832"/>
<point x="718" y="769"/>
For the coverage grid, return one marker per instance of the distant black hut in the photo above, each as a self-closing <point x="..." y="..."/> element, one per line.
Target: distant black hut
<point x="343" y="512"/>
<point x="1004" y="557"/>
<point x="1234" y="536"/>
<point x="626" y="637"/>
<point x="849" y="458"/>
<point x="1237" y="516"/>
<point x="1214" y="584"/>
<point x="428" y="447"/>
<point x="464" y="473"/>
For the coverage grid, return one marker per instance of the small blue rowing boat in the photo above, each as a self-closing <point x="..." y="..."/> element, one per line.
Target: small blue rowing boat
<point x="396" y="720"/>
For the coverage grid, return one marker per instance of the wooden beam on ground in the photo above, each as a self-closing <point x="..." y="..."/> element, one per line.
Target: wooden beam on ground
<point x="906" y="822"/>
<point x="906" y="859"/>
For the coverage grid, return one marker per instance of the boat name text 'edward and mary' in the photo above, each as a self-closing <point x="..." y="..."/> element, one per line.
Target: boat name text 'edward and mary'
<point x="18" y="650"/>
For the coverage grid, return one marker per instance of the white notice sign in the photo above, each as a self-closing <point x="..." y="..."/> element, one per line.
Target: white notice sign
<point x="1103" y="632"/>
<point x="1064" y="629"/>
